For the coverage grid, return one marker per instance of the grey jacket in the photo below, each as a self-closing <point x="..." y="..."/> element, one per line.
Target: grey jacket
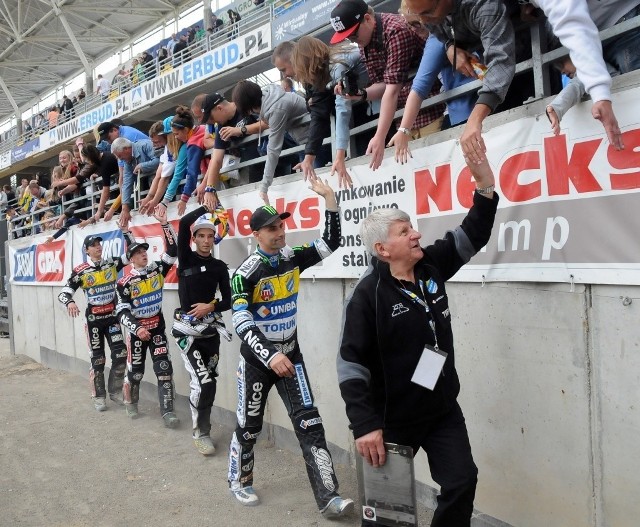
<point x="284" y="112"/>
<point x="483" y="25"/>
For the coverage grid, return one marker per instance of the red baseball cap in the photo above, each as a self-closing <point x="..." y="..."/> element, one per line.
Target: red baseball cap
<point x="346" y="17"/>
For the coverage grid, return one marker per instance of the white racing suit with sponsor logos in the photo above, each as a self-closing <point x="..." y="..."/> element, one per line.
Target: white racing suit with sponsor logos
<point x="140" y="305"/>
<point x="98" y="281"/>
<point x="264" y="302"/>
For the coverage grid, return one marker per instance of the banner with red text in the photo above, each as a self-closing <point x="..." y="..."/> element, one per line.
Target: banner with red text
<point x="567" y="212"/>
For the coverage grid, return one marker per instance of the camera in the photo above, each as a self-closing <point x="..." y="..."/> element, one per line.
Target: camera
<point x="349" y="82"/>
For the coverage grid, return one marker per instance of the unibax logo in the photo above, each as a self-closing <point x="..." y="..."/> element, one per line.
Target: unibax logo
<point x="24" y="269"/>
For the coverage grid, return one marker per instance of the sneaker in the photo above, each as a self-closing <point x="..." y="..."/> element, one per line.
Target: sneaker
<point x="170" y="420"/>
<point x="116" y="399"/>
<point x="245" y="495"/>
<point x="205" y="445"/>
<point x="99" y="403"/>
<point x="132" y="410"/>
<point x="337" y="507"/>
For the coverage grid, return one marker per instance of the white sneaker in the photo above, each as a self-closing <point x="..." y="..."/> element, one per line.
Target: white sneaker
<point x="205" y="445"/>
<point x="99" y="403"/>
<point x="245" y="495"/>
<point x="337" y="507"/>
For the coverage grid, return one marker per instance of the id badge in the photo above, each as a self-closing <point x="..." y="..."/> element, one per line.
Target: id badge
<point x="429" y="367"/>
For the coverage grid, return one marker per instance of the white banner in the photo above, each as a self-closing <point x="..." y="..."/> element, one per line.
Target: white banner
<point x="567" y="213"/>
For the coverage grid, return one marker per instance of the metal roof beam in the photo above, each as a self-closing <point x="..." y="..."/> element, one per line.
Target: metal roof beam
<point x="72" y="37"/>
<point x="9" y="97"/>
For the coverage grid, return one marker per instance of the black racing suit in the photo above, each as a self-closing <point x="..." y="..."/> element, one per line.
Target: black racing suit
<point x="199" y="279"/>
<point x="265" y="297"/>
<point x="98" y="281"/>
<point x="140" y="306"/>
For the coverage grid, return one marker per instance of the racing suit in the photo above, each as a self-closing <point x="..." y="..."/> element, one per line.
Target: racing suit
<point x="98" y="281"/>
<point x="264" y="302"/>
<point x="140" y="305"/>
<point x="198" y="339"/>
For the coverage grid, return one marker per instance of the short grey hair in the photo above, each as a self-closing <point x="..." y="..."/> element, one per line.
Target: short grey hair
<point x="375" y="227"/>
<point x="120" y="144"/>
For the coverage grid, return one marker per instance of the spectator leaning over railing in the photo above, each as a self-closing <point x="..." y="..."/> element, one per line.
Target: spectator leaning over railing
<point x="34" y="201"/>
<point x="183" y="129"/>
<point x="576" y="24"/>
<point x="161" y="137"/>
<point x="434" y="65"/>
<point x="465" y="26"/>
<point x="105" y="168"/>
<point x="24" y="185"/>
<point x="319" y="69"/>
<point x="283" y="112"/>
<point x="139" y="161"/>
<point x="389" y="50"/>
<point x="229" y="123"/>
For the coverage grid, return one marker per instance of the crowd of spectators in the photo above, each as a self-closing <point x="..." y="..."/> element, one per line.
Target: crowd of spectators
<point x="369" y="58"/>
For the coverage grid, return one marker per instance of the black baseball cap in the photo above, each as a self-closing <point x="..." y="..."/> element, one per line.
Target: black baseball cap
<point x="104" y="128"/>
<point x="135" y="246"/>
<point x="264" y="216"/>
<point x="90" y="240"/>
<point x="346" y="17"/>
<point x="210" y="102"/>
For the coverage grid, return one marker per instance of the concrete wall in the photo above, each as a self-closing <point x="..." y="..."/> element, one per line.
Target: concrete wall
<point x="550" y="389"/>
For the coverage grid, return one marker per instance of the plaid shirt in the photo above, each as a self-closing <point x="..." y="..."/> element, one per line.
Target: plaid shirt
<point x="393" y="52"/>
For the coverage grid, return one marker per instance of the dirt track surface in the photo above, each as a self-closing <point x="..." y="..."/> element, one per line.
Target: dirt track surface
<point x="64" y="464"/>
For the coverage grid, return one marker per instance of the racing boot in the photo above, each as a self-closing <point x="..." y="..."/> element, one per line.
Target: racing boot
<point x="131" y="396"/>
<point x="203" y="442"/>
<point x="245" y="495"/>
<point x="97" y="390"/>
<point x="115" y="382"/>
<point x="165" y="397"/>
<point x="337" y="507"/>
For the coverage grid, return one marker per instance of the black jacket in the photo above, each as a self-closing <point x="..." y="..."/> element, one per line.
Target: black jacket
<point x="384" y="333"/>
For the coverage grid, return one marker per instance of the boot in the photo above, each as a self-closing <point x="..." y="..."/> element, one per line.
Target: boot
<point x="165" y="395"/>
<point x="131" y="395"/>
<point x="115" y="382"/>
<point x="170" y="420"/>
<point x="96" y="379"/>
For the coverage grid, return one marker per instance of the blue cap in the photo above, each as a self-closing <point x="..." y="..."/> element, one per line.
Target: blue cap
<point x="166" y="123"/>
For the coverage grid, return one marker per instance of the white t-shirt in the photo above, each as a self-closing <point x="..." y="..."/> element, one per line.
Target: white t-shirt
<point x="104" y="86"/>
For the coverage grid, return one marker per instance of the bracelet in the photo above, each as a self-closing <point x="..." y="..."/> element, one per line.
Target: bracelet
<point x="209" y="188"/>
<point x="486" y="190"/>
<point x="363" y="94"/>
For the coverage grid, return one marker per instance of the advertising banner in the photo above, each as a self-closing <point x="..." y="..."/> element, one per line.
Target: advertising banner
<point x="39" y="262"/>
<point x="25" y="150"/>
<point x="567" y="211"/>
<point x="302" y="18"/>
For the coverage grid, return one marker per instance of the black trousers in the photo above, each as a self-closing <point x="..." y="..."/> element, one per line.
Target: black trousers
<point x="446" y="443"/>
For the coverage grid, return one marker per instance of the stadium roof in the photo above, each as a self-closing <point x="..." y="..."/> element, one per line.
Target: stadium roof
<point x="45" y="42"/>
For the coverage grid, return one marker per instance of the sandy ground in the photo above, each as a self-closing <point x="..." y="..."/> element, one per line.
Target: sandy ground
<point x="64" y="464"/>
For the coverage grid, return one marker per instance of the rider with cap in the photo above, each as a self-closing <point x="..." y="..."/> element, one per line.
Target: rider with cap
<point x="264" y="302"/>
<point x="97" y="277"/>
<point x="139" y="310"/>
<point x="198" y="322"/>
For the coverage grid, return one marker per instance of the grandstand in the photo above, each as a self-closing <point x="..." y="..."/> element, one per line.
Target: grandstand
<point x="545" y="314"/>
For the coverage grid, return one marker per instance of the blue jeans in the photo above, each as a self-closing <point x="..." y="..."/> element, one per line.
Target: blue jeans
<point x="622" y="52"/>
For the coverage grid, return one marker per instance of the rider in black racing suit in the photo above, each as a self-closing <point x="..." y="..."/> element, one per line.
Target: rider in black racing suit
<point x="264" y="302"/>
<point x="139" y="310"/>
<point x="196" y="323"/>
<point x="97" y="277"/>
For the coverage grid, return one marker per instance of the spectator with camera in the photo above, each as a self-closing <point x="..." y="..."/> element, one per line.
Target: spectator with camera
<point x="320" y="68"/>
<point x="390" y="50"/>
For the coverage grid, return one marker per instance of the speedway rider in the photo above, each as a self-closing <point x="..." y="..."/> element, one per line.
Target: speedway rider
<point x="265" y="295"/>
<point x="97" y="277"/>
<point x="198" y="321"/>
<point x="139" y="310"/>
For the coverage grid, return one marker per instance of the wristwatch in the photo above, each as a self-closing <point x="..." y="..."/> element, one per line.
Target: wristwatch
<point x="210" y="189"/>
<point x="485" y="190"/>
<point x="405" y="131"/>
<point x="243" y="130"/>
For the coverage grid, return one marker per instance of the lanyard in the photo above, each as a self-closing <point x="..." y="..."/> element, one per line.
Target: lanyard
<point x="417" y="300"/>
